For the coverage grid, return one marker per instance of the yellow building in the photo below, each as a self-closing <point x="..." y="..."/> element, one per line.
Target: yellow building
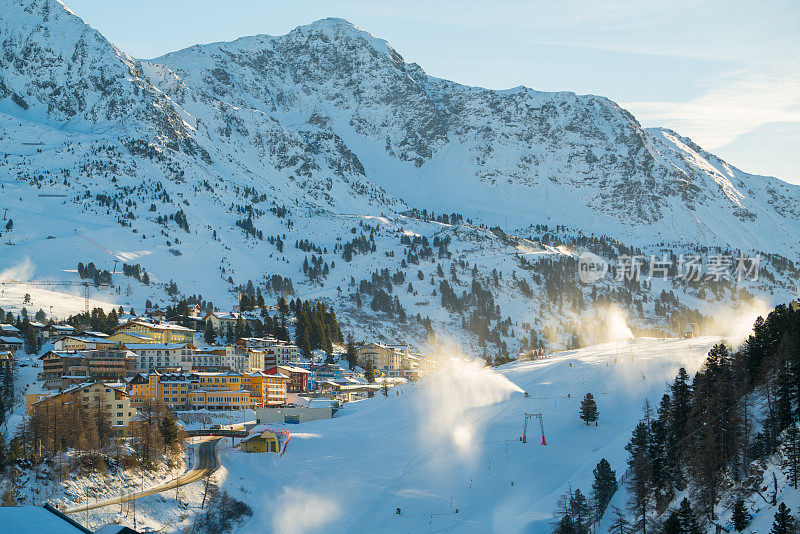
<point x="267" y="441"/>
<point x="276" y="389"/>
<point x="266" y="390"/>
<point x="213" y="391"/>
<point x="124" y="338"/>
<point x="394" y="360"/>
<point x="255" y="359"/>
<point x="385" y="359"/>
<point x="159" y="333"/>
<point x="220" y="399"/>
<point x="83" y="343"/>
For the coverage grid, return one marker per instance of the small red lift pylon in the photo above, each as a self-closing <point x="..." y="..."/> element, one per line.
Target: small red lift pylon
<point x="525" y="427"/>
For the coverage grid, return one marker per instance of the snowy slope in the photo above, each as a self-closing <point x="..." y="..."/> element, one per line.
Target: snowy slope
<point x="313" y="135"/>
<point x="452" y="441"/>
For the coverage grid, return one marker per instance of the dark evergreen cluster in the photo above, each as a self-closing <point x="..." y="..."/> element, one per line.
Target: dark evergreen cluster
<point x="136" y="271"/>
<point x="279" y="211"/>
<point x="279" y="285"/>
<point x="317" y="268"/>
<point x="251" y="297"/>
<point x="97" y="320"/>
<point x="277" y="241"/>
<point x="180" y="219"/>
<point x="98" y="276"/>
<point x="316" y="327"/>
<point x="417" y="248"/>
<point x="383" y="302"/>
<point x="358" y="245"/>
<point x="575" y="513"/>
<point x="699" y="434"/>
<point x="307" y="246"/>
<point x="425" y="215"/>
<point x="249" y="228"/>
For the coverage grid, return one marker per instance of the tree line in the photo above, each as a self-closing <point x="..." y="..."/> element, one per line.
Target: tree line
<point x="702" y="432"/>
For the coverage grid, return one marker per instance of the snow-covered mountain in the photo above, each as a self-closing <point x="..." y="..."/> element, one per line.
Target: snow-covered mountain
<point x="511" y="157"/>
<point x="309" y="136"/>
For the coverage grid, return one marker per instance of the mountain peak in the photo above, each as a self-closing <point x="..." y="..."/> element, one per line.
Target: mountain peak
<point x="338" y="28"/>
<point x="330" y="22"/>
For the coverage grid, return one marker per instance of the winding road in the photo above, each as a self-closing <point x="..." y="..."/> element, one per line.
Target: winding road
<point x="207" y="462"/>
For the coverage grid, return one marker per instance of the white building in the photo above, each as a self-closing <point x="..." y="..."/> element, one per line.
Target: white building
<point x="275" y="351"/>
<point x="235" y="359"/>
<point x="151" y="356"/>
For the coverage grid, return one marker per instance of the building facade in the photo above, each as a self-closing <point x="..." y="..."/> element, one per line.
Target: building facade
<point x="157" y="332"/>
<point x="152" y="356"/>
<point x="191" y="390"/>
<point x="61" y="368"/>
<point x="113" y="400"/>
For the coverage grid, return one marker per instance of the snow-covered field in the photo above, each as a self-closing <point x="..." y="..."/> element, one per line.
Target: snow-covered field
<point x="447" y="450"/>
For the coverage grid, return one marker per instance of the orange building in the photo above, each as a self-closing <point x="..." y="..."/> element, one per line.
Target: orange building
<point x="191" y="390"/>
<point x="266" y="389"/>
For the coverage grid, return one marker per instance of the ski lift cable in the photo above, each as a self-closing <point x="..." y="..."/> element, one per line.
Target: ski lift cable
<point x="104" y="249"/>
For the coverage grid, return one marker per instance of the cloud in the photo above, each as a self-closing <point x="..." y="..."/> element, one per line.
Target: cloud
<point x="734" y="104"/>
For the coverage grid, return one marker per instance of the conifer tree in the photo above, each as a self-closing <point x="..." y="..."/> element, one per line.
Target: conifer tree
<point x="740" y="516"/>
<point x="369" y="372"/>
<point x="581" y="512"/>
<point x="169" y="431"/>
<point x="791" y="460"/>
<point x="620" y="523"/>
<point x="352" y="356"/>
<point x="565" y="526"/>
<point x="304" y="344"/>
<point x="589" y="413"/>
<point x="3" y="452"/>
<point x="672" y="525"/>
<point x="688" y="519"/>
<point x="603" y="487"/>
<point x="784" y="523"/>
<point x="639" y="475"/>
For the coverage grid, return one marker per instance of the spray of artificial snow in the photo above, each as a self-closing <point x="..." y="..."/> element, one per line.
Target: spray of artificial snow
<point x="448" y="403"/>
<point x="735" y="324"/>
<point x="599" y="324"/>
<point x="617" y="324"/>
<point x="20" y="271"/>
<point x="297" y="511"/>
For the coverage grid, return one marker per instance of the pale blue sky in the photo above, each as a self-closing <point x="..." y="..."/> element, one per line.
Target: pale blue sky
<point x="725" y="73"/>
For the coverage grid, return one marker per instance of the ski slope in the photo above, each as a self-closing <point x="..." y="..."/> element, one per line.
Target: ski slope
<point x="452" y="442"/>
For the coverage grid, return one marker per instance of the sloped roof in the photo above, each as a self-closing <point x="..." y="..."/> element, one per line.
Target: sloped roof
<point x="36" y="519"/>
<point x="156" y="346"/>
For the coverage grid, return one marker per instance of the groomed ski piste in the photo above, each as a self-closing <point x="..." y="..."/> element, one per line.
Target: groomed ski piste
<point x="446" y="451"/>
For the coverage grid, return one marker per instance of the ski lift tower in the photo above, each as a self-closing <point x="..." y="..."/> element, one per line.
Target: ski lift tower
<point x="525" y="426"/>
